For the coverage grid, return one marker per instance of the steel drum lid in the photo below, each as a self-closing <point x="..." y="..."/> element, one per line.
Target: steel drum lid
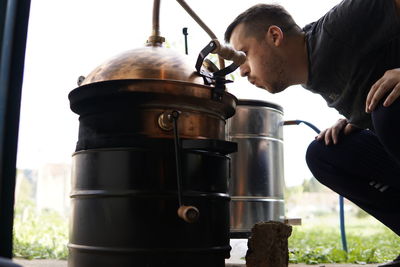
<point x="259" y="103"/>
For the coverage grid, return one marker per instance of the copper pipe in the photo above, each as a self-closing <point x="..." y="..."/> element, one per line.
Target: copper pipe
<point x="156" y="18"/>
<point x="223" y="51"/>
<point x="155" y="39"/>
<point x="202" y="25"/>
<point x="221" y="62"/>
<point x="197" y="18"/>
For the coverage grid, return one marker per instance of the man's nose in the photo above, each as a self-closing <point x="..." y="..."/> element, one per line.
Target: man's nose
<point x="244" y="70"/>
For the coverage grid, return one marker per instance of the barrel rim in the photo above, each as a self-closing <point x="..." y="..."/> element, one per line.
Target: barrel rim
<point x="258" y="103"/>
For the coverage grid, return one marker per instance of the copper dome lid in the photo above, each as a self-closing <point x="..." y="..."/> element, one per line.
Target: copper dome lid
<point x="151" y="62"/>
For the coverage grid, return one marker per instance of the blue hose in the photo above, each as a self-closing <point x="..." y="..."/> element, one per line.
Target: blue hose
<point x="341" y="204"/>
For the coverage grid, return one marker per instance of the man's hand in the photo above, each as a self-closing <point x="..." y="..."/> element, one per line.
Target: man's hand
<point x="390" y="82"/>
<point x="332" y="134"/>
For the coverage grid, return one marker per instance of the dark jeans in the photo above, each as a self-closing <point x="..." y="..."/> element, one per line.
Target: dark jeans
<point x="364" y="166"/>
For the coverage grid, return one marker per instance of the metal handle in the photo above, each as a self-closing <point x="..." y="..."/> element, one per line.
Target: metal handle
<point x="189" y="214"/>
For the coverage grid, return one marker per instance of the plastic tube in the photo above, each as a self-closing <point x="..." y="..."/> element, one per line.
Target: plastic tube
<point x="341" y="201"/>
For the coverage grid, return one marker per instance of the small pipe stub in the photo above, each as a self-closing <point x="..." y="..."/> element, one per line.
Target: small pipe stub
<point x="189" y="214"/>
<point x="166" y="119"/>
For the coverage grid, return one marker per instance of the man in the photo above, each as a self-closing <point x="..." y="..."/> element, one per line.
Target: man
<point x="351" y="56"/>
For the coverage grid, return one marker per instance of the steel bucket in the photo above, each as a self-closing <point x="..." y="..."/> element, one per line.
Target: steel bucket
<point x="257" y="183"/>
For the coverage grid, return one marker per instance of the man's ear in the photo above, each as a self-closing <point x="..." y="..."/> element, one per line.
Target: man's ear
<point x="274" y="35"/>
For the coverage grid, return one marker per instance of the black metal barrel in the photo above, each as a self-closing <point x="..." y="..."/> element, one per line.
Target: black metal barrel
<point x="124" y="203"/>
<point x="125" y="191"/>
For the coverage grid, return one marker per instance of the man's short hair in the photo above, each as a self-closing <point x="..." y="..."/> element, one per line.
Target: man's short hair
<point x="258" y="18"/>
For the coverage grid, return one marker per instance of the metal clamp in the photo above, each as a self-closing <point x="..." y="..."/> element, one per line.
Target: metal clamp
<point x="216" y="78"/>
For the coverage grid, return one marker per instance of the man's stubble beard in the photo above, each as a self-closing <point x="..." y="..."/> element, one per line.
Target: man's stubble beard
<point x="275" y="66"/>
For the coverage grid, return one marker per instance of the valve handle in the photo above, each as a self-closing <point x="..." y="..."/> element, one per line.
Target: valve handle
<point x="189" y="214"/>
<point x="228" y="53"/>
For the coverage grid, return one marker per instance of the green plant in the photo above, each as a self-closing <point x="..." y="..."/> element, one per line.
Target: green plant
<point x="39" y="234"/>
<point x="368" y="242"/>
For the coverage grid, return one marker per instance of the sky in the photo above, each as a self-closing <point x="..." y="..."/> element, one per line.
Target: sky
<point x="70" y="38"/>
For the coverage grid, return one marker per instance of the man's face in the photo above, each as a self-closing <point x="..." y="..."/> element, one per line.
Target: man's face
<point x="263" y="66"/>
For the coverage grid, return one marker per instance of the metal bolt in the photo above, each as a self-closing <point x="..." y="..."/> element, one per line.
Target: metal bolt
<point x="80" y="80"/>
<point x="165" y="122"/>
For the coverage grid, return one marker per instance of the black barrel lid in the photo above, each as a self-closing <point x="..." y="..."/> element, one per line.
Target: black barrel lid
<point x="258" y="103"/>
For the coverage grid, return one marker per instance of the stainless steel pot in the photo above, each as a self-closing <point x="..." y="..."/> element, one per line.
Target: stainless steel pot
<point x="257" y="183"/>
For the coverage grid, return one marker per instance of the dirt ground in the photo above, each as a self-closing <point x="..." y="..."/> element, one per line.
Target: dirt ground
<point x="57" y="263"/>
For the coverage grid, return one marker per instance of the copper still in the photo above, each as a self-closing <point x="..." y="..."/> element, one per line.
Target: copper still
<point x="161" y="80"/>
<point x="151" y="167"/>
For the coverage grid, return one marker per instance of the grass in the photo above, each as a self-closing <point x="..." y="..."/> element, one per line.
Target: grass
<point x="319" y="241"/>
<point x="44" y="235"/>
